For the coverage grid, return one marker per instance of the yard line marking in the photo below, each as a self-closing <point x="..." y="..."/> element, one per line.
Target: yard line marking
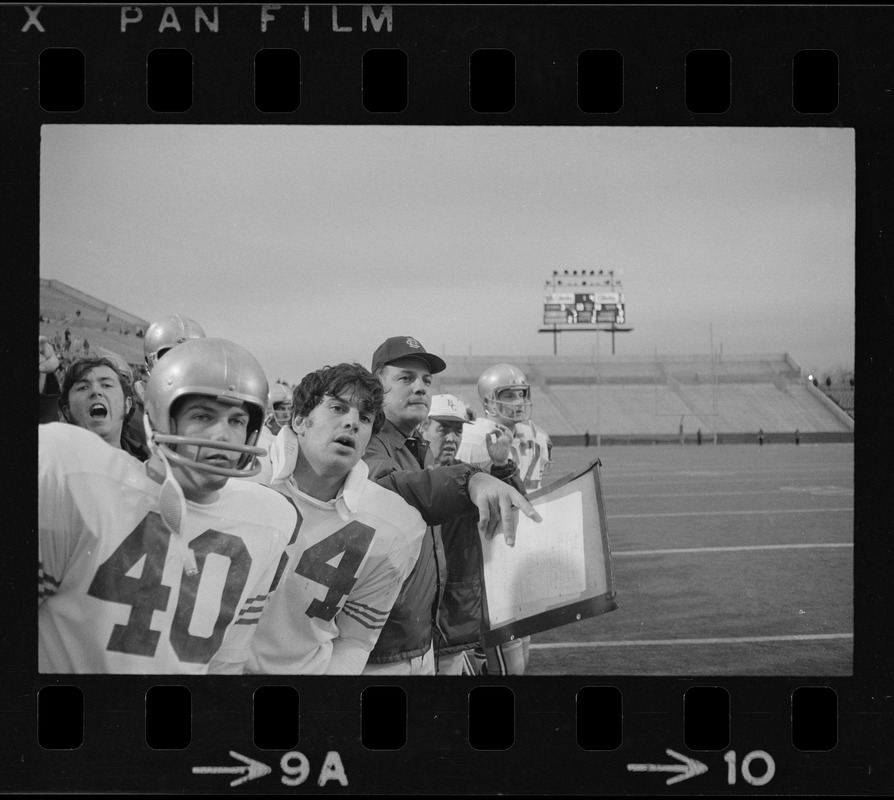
<point x="650" y="495"/>
<point x="638" y="495"/>
<point x="672" y="472"/>
<point x="802" y="637"/>
<point x="729" y="513"/>
<point x="662" y="478"/>
<point x="616" y="553"/>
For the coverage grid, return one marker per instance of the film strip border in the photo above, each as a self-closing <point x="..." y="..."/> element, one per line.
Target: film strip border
<point x="276" y="718"/>
<point x="384" y="81"/>
<point x="570" y="65"/>
<point x="389" y="64"/>
<point x="489" y="738"/>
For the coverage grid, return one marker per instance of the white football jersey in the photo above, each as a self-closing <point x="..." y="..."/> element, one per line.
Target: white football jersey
<point x="265" y="440"/>
<point x="346" y="564"/>
<point x="529" y="449"/>
<point x="113" y="594"/>
<point x="533" y="447"/>
<point x="473" y="448"/>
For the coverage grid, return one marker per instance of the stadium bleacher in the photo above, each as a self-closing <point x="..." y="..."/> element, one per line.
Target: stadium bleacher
<point x="843" y="397"/>
<point x="105" y="327"/>
<point x="631" y="397"/>
<point x="652" y="396"/>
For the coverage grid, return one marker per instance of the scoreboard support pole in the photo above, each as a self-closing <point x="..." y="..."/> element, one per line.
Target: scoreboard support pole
<point x="556" y="330"/>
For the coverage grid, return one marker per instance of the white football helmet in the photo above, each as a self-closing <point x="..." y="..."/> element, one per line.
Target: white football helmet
<point x="167" y="333"/>
<point x="279" y="395"/>
<point x="504" y="376"/>
<point x="219" y="369"/>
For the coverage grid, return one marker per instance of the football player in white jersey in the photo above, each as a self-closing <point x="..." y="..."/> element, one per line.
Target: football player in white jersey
<point x="506" y="397"/>
<point x="279" y="407"/>
<point x="162" y="567"/>
<point x="162" y="335"/>
<point x="356" y="541"/>
<point x="535" y="451"/>
<point x="279" y="412"/>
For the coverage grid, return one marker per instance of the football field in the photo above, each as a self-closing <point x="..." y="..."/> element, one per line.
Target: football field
<point x="727" y="560"/>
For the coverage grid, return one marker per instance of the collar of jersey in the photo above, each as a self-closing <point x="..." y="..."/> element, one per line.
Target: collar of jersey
<point x="347" y="501"/>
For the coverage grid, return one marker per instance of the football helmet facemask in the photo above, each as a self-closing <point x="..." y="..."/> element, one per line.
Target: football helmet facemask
<point x="215" y="368"/>
<point x="167" y="333"/>
<point x="497" y="378"/>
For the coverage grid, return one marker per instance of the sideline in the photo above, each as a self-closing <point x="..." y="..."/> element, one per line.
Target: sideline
<point x="731" y="548"/>
<point x="730" y="513"/>
<point x="806" y="637"/>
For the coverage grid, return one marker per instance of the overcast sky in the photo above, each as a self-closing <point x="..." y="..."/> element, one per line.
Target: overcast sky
<point x="309" y="245"/>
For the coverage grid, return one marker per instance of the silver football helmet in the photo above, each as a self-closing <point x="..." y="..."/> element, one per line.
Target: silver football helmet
<point x="167" y="333"/>
<point x="216" y="368"/>
<point x="497" y="378"/>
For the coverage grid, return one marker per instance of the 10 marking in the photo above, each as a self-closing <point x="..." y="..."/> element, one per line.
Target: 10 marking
<point x="760" y="780"/>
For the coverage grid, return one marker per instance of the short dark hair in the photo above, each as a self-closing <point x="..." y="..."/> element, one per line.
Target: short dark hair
<point x="80" y="367"/>
<point x="344" y="379"/>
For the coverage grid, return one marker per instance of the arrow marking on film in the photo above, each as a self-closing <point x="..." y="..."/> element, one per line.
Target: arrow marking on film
<point x="252" y="769"/>
<point x="689" y="767"/>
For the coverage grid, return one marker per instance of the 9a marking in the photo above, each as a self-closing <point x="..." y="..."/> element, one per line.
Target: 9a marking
<point x="297" y="769"/>
<point x="761" y="780"/>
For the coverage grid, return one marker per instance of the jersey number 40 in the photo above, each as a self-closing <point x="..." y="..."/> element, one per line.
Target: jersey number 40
<point x="147" y="594"/>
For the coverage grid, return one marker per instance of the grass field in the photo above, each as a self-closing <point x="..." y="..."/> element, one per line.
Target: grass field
<point x="728" y="560"/>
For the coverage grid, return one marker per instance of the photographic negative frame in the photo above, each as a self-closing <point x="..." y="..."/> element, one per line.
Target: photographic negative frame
<point x="547" y="753"/>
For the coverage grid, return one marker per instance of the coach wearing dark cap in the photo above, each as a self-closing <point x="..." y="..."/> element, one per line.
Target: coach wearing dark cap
<point x="405" y="646"/>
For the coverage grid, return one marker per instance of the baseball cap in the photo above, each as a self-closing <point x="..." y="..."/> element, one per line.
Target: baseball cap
<point x="448" y="407"/>
<point x="401" y="347"/>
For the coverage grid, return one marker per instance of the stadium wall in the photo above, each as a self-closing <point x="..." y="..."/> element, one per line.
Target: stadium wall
<point x="773" y="437"/>
<point x="92" y="302"/>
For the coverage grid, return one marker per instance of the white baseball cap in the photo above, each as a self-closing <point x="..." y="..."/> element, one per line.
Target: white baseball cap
<point x="448" y="407"/>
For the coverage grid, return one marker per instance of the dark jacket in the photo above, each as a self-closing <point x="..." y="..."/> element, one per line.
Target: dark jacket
<point x="133" y="437"/>
<point x="439" y="494"/>
<point x="459" y="614"/>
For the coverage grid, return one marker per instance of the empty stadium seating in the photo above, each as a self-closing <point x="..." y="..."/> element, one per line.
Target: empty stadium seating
<point x="844" y="398"/>
<point x="652" y="396"/>
<point x="622" y="397"/>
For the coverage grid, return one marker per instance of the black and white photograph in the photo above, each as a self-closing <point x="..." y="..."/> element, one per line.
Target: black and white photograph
<point x="449" y="399"/>
<point x="677" y="303"/>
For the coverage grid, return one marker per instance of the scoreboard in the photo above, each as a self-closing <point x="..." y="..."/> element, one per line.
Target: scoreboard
<point x="577" y="306"/>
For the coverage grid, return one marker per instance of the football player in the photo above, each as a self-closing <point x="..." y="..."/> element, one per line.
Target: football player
<point x="506" y="397"/>
<point x="279" y="412"/>
<point x="162" y="567"/>
<point x="536" y="451"/>
<point x="161" y="336"/>
<point x="97" y="395"/>
<point x="327" y="614"/>
<point x="505" y="394"/>
<point x="279" y="407"/>
<point x="166" y="333"/>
